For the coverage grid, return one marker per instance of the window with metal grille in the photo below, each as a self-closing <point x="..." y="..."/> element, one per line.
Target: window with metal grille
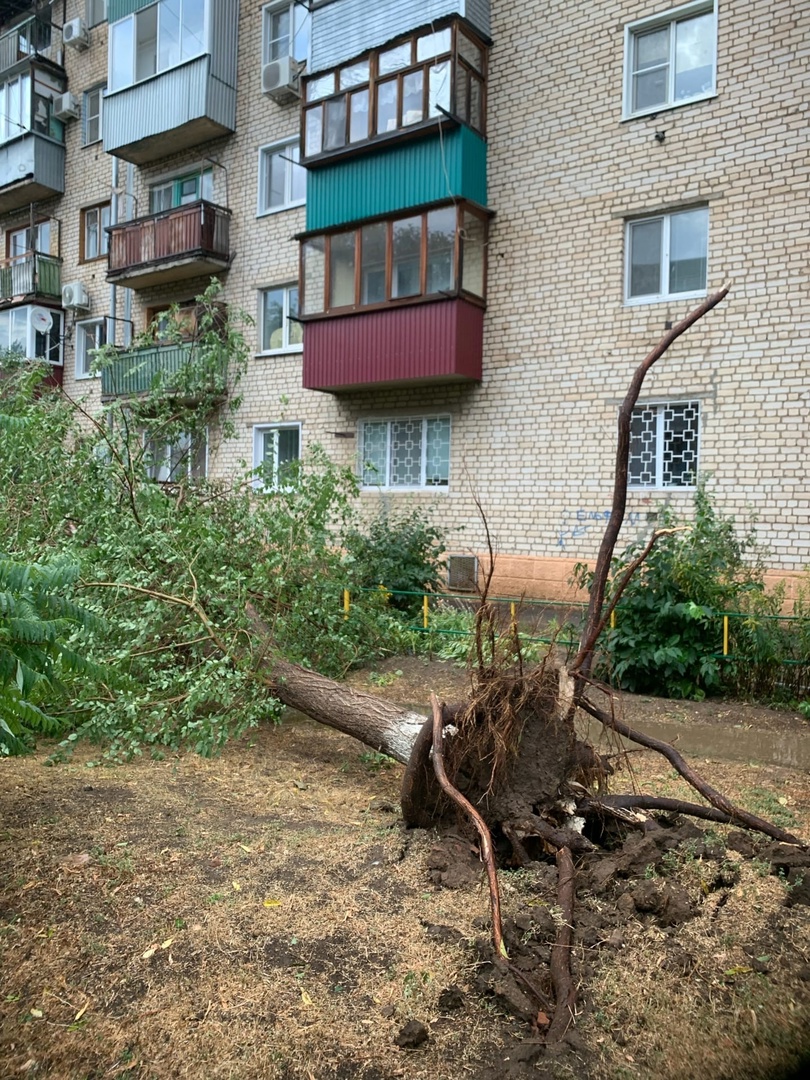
<point x="664" y="440"/>
<point x="406" y="452"/>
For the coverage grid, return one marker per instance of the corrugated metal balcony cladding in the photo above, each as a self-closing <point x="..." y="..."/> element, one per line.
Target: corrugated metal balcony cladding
<point x="397" y="177"/>
<point x="439" y="342"/>
<point x="119" y="9"/>
<point x="346" y="28"/>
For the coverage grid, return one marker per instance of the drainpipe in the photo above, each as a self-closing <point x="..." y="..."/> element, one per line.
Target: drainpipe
<point x="130" y="192"/>
<point x="114" y="221"/>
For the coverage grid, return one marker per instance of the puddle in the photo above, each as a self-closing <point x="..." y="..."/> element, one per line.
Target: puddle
<point x="789" y="749"/>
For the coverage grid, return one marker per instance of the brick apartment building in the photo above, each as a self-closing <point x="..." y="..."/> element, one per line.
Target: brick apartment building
<point x="458" y="225"/>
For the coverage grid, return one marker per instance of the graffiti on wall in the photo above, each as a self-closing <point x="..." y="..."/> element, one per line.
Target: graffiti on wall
<point x="578" y="523"/>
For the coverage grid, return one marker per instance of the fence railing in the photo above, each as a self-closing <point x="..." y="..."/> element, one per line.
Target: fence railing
<point x="518" y="610"/>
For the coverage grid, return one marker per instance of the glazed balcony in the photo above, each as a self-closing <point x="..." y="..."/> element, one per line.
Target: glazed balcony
<point x="185" y="242"/>
<point x="168" y="367"/>
<point x="30" y="275"/>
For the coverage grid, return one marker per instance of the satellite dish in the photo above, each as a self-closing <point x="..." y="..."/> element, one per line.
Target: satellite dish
<point x="41" y="320"/>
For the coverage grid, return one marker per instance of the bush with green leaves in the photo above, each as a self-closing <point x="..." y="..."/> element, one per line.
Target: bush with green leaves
<point x="668" y="634"/>
<point x="401" y="551"/>
<point x="200" y="584"/>
<point x="43" y="636"/>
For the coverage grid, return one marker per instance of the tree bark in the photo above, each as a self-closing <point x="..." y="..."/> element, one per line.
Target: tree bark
<point x="387" y="728"/>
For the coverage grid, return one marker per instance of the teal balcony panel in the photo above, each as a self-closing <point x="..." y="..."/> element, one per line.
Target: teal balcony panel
<point x="32" y="168"/>
<point x="167" y="367"/>
<point x="413" y="173"/>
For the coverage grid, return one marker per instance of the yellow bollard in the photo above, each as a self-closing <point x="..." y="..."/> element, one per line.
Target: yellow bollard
<point x="514" y="619"/>
<point x="346" y="603"/>
<point x="425" y="611"/>
<point x="613" y="619"/>
<point x="725" y="635"/>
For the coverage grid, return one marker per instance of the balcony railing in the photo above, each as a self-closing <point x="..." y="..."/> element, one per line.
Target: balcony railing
<point x="27" y="39"/>
<point x="170" y="245"/>
<point x="31" y="274"/>
<point x="170" y="368"/>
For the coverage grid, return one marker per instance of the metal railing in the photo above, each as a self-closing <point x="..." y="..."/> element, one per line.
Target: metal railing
<point x="26" y="39"/>
<point x="199" y="228"/>
<point x="170" y="367"/>
<point x="31" y="274"/>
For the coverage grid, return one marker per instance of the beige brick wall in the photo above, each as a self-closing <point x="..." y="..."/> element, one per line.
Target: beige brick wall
<point x="534" y="443"/>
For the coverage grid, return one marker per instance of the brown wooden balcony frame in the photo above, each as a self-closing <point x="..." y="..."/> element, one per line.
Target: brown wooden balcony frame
<point x="198" y="230"/>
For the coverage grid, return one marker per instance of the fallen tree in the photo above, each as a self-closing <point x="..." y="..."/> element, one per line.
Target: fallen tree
<point x="510" y="757"/>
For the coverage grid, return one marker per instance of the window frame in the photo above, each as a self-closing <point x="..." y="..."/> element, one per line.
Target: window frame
<point x="315" y="103"/>
<point x="91" y="12"/>
<point x="327" y="310"/>
<point x="103" y="235"/>
<point x="87" y="115"/>
<point x="266" y="154"/>
<point x="271" y="9"/>
<point x="259" y="432"/>
<point x="204" y="193"/>
<point x="287" y="346"/>
<point x="31" y="237"/>
<point x="669" y="18"/>
<point x="665" y="265"/>
<point x="56" y="334"/>
<point x="190" y="454"/>
<point x="660" y="405"/>
<point x="80" y="356"/>
<point x="130" y="77"/>
<point x="424" y="418"/>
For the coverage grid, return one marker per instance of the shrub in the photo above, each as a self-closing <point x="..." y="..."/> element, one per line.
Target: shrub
<point x="402" y="552"/>
<point x="668" y="633"/>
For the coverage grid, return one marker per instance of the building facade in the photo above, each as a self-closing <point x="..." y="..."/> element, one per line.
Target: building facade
<point x="458" y="228"/>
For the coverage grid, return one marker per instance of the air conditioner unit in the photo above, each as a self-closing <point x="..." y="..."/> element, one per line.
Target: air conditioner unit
<point x="74" y="34"/>
<point x="74" y="295"/>
<point x="66" y="107"/>
<point x="280" y="80"/>
<point x="462" y="573"/>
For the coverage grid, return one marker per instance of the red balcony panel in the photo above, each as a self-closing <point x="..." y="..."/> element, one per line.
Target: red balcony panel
<point x="439" y="342"/>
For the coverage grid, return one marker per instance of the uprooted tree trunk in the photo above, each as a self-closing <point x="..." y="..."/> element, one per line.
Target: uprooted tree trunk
<point x="510" y="756"/>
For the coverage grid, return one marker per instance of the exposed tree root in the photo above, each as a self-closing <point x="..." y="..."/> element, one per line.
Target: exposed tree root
<point x="564" y="992"/>
<point x="734" y="813"/>
<point x="487" y="855"/>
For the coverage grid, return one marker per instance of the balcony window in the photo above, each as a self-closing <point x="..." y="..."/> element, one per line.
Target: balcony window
<point x="37" y="238"/>
<point x="282" y="181"/>
<point x="94" y="238"/>
<point x="155" y="39"/>
<point x="433" y="253"/>
<point x="15" y="107"/>
<point x="285" y="31"/>
<point x="181" y="190"/>
<point x="18" y="334"/>
<point x="422" y="78"/>
<point x="91" y="335"/>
